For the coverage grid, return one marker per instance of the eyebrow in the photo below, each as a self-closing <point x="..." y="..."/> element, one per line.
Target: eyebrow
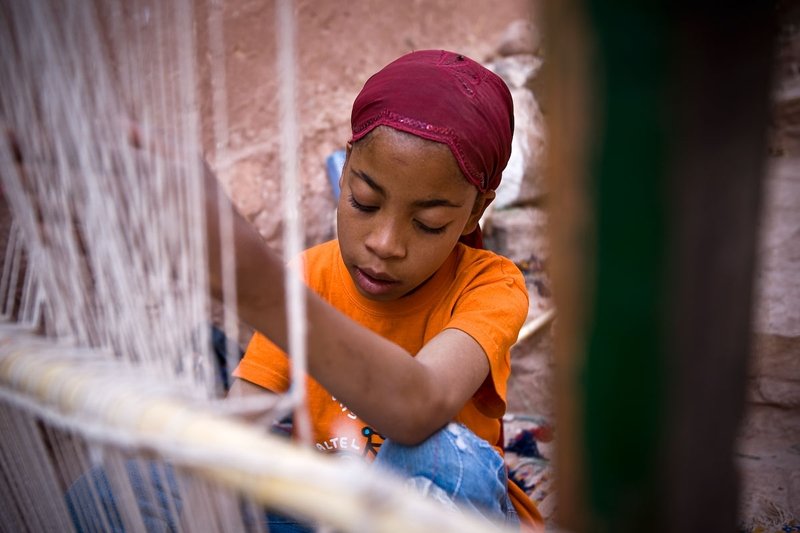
<point x="432" y="202"/>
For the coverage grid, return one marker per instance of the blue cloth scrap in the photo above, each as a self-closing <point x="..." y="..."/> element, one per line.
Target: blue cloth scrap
<point x="334" y="164"/>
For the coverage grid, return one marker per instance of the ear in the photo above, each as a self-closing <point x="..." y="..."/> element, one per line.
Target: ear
<point x="481" y="203"/>
<point x="347" y="149"/>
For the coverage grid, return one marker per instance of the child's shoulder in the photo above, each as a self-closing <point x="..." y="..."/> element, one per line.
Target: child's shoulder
<point x="480" y="260"/>
<point x="486" y="283"/>
<point x="484" y="268"/>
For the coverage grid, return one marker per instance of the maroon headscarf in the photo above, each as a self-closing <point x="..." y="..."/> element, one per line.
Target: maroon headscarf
<point x="448" y="98"/>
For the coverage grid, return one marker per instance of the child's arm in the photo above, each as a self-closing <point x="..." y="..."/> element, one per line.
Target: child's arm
<point x="405" y="398"/>
<point x="241" y="389"/>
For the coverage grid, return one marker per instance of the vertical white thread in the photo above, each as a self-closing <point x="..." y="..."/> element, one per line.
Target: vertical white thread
<point x="194" y="188"/>
<point x="292" y="218"/>
<point x="219" y="95"/>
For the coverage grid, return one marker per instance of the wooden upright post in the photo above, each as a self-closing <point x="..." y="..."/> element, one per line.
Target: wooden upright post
<point x="658" y="122"/>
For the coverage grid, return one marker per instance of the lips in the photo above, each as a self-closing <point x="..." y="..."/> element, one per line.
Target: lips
<point x="372" y="282"/>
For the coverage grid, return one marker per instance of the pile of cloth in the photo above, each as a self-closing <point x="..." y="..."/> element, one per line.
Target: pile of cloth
<point x="529" y="447"/>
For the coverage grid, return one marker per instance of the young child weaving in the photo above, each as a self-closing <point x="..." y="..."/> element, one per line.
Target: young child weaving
<point x="410" y="321"/>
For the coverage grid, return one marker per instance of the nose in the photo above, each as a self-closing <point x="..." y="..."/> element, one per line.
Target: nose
<point x="385" y="240"/>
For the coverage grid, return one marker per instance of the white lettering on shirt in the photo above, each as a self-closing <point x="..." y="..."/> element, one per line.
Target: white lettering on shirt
<point x="338" y="443"/>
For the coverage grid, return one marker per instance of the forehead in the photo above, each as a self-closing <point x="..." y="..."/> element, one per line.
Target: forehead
<point x="396" y="157"/>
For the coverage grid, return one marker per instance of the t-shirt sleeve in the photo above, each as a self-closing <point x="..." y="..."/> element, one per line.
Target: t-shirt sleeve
<point x="492" y="309"/>
<point x="264" y="364"/>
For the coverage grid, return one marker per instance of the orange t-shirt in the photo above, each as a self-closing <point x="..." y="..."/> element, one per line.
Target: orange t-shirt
<point x="475" y="291"/>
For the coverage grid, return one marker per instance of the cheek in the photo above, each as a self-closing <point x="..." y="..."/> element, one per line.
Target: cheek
<point x="347" y="225"/>
<point x="341" y="221"/>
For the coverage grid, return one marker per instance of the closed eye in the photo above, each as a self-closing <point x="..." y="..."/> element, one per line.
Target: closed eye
<point x="428" y="229"/>
<point x="371" y="209"/>
<point x="361" y="207"/>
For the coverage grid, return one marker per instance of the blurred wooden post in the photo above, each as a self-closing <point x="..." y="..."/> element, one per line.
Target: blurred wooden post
<point x="658" y="122"/>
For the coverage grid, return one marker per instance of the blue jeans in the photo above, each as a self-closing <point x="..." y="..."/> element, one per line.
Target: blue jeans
<point x="457" y="468"/>
<point x="92" y="505"/>
<point x="453" y="467"/>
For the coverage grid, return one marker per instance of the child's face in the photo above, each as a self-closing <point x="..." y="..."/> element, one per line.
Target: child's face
<point x="403" y="206"/>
